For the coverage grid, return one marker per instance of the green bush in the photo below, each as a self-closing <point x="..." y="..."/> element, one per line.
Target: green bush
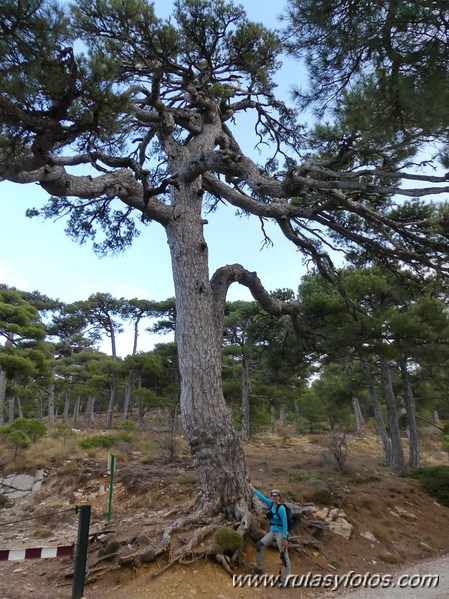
<point x="109" y="549"/>
<point x="63" y="431"/>
<point x="5" y="429"/>
<point x="127" y="425"/>
<point x="18" y="440"/>
<point x="34" y="429"/>
<point x="322" y="496"/>
<point x="98" y="441"/>
<point x="227" y="541"/>
<point x="435" y="480"/>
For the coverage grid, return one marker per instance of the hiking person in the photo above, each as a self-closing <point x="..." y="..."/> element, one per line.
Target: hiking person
<point x="278" y="530"/>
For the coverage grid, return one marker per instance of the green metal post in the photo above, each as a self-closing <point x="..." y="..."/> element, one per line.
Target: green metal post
<point x="81" y="552"/>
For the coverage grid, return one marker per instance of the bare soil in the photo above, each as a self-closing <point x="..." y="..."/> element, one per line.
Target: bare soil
<point x="406" y="525"/>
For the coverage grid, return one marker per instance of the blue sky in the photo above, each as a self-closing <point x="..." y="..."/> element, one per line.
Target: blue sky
<point x="36" y="254"/>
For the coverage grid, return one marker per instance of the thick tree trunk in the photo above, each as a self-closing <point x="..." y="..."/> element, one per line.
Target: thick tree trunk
<point x="19" y="407"/>
<point x="436" y="418"/>
<point x="127" y="408"/>
<point x="51" y="405"/>
<point x="397" y="451"/>
<point x="3" y="384"/>
<point x="414" y="454"/>
<point x="11" y="409"/>
<point x="272" y="420"/>
<point x="246" y="432"/>
<point x="140" y="407"/>
<point x="214" y="443"/>
<point x="283" y="416"/>
<point x="89" y="413"/>
<point x="128" y="389"/>
<point x="65" y="413"/>
<point x="112" y="398"/>
<point x="76" y="410"/>
<point x="381" y="429"/>
<point x="112" y="405"/>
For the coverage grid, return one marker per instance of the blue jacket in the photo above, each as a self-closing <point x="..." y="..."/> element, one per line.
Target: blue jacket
<point x="278" y="522"/>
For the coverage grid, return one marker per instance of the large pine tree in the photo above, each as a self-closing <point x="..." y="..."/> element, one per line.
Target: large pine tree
<point x="135" y="122"/>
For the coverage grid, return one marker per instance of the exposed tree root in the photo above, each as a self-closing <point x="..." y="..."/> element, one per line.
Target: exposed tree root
<point x="197" y="516"/>
<point x="183" y="541"/>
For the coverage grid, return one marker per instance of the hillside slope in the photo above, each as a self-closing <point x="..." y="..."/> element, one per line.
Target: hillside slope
<point x="390" y="522"/>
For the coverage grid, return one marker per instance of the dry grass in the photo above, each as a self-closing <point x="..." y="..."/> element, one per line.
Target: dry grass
<point x="371" y="505"/>
<point x="384" y="534"/>
<point x="42" y="533"/>
<point x="390" y="558"/>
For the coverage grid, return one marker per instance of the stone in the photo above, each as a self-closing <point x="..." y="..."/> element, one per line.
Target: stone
<point x="341" y="527"/>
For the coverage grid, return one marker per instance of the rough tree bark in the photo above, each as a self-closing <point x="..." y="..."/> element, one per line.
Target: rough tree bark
<point x="283" y="416"/>
<point x="246" y="431"/>
<point x="3" y="383"/>
<point x="89" y="413"/>
<point x="359" y="420"/>
<point x="114" y="381"/>
<point x="76" y="410"/>
<point x="65" y="413"/>
<point x="11" y="409"/>
<point x="51" y="405"/>
<point x="381" y="429"/>
<point x="414" y="453"/>
<point x="216" y="449"/>
<point x="397" y="451"/>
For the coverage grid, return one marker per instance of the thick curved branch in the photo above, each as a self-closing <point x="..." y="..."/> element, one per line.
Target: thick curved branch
<point x="120" y="184"/>
<point x="235" y="273"/>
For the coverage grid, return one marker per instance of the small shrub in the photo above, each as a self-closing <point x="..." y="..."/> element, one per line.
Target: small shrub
<point x="435" y="480"/>
<point x="127" y="425"/>
<point x="149" y="450"/>
<point x="18" y="440"/>
<point x="69" y="467"/>
<point x="32" y="428"/>
<point x="322" y="496"/>
<point x="295" y="478"/>
<point x="98" y="441"/>
<point x="42" y="533"/>
<point x="109" y="549"/>
<point x="170" y="446"/>
<point x="337" y="452"/>
<point x="3" y="500"/>
<point x="371" y="505"/>
<point x="63" y="431"/>
<point x="227" y="541"/>
<point x="381" y="534"/>
<point x="5" y="429"/>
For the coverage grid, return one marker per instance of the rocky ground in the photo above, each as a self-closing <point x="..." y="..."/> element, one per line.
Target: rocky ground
<point x="377" y="522"/>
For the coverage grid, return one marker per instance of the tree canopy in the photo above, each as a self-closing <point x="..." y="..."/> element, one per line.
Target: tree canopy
<point x="384" y="62"/>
